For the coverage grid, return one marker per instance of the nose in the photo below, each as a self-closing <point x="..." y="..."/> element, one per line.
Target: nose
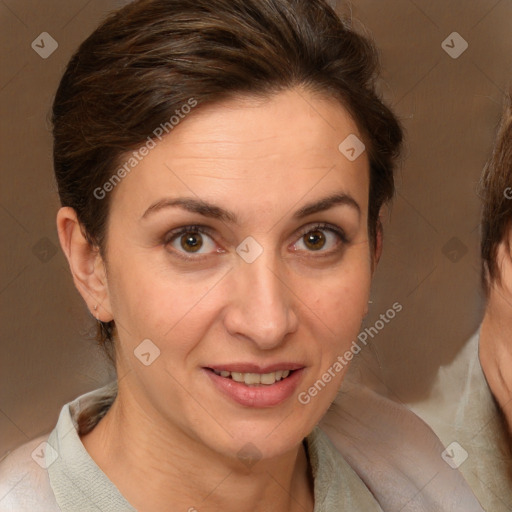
<point x="262" y="306"/>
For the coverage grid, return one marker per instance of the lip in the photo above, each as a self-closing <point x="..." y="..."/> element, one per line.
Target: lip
<point x="254" y="368"/>
<point x="256" y="396"/>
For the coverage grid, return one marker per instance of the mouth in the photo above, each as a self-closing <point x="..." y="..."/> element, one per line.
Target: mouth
<point x="254" y="379"/>
<point x="256" y="387"/>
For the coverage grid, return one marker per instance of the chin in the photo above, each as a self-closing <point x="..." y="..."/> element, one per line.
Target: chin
<point x="263" y="439"/>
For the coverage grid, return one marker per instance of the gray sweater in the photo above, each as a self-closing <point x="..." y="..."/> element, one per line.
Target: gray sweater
<point x="55" y="473"/>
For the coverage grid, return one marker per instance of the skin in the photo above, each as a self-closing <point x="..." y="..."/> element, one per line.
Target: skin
<point x="262" y="160"/>
<point x="495" y="350"/>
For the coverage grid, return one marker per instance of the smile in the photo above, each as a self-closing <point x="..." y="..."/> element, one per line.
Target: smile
<point x="256" y="387"/>
<point x="255" y="379"/>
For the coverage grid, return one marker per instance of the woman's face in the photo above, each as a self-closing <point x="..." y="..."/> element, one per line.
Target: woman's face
<point x="239" y="247"/>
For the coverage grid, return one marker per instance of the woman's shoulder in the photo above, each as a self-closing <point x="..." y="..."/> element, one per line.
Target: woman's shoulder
<point x="336" y="484"/>
<point x="395" y="453"/>
<point x="24" y="481"/>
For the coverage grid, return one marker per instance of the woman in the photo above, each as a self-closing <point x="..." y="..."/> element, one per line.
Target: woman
<point x="221" y="167"/>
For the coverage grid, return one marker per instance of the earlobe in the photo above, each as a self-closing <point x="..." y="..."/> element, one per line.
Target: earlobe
<point x="365" y="312"/>
<point x="86" y="264"/>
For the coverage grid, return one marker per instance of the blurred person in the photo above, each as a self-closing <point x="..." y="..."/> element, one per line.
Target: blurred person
<point x="470" y="403"/>
<point x="469" y="406"/>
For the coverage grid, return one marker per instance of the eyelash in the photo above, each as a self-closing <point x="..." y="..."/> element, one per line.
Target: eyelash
<point x="326" y="227"/>
<point x="195" y="228"/>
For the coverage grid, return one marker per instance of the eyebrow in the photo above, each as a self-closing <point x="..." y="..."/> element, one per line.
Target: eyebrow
<point x="326" y="203"/>
<point x="215" y="212"/>
<point x="193" y="205"/>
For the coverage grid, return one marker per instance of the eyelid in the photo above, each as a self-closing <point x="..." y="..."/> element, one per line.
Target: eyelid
<point x="170" y="236"/>
<point x="340" y="245"/>
<point x="324" y="226"/>
<point x="191" y="228"/>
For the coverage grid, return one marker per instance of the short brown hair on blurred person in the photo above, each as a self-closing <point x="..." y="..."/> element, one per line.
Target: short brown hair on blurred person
<point x="496" y="195"/>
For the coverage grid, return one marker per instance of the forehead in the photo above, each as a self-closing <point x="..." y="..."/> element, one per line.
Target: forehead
<point x="261" y="151"/>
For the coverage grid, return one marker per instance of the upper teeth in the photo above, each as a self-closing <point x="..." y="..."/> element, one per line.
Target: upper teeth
<point x="255" y="378"/>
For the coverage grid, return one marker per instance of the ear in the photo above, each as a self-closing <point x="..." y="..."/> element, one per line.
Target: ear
<point x="378" y="245"/>
<point x="86" y="264"/>
<point x="377" y="252"/>
<point x="504" y="264"/>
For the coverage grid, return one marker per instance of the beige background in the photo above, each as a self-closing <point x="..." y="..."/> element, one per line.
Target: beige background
<point x="449" y="108"/>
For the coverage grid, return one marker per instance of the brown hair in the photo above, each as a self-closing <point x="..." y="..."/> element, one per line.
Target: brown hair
<point x="496" y="194"/>
<point x="151" y="57"/>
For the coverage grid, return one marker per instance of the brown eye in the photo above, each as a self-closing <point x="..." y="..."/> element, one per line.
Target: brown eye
<point x="191" y="241"/>
<point x="322" y="239"/>
<point x="314" y="240"/>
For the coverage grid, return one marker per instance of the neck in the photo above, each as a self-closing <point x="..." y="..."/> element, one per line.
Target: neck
<point x="157" y="468"/>
<point x="496" y="348"/>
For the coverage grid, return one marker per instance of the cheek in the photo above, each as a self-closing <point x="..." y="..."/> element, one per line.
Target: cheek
<point x="334" y="314"/>
<point x="148" y="304"/>
<point x="339" y="302"/>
